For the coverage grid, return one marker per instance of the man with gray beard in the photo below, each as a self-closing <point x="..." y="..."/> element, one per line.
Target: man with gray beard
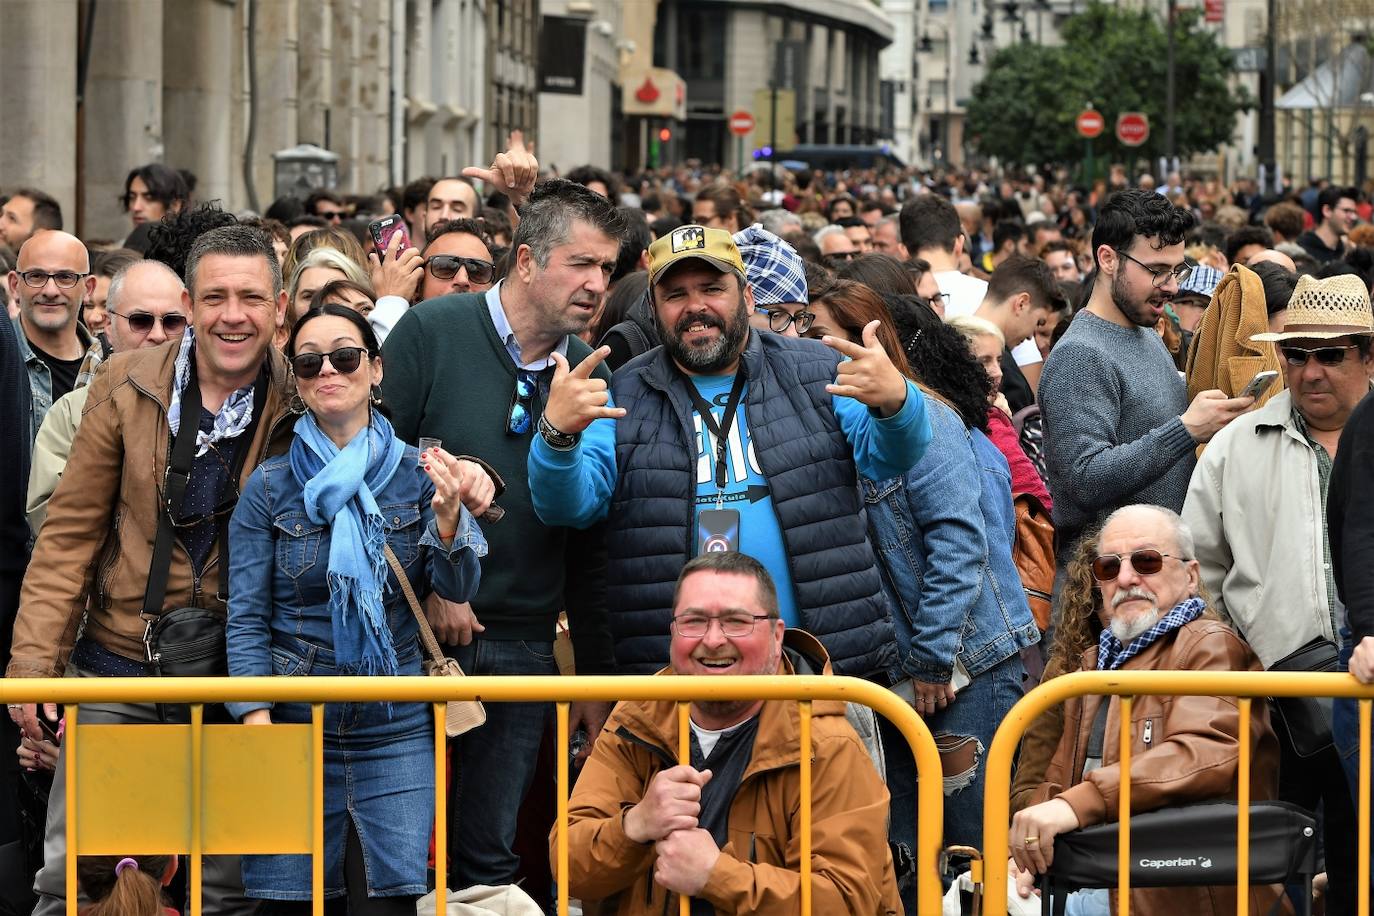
<point x="1184" y="749"/>
<point x="728" y="439"/>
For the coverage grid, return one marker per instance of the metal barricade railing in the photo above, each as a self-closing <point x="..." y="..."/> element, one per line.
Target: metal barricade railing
<point x="1246" y="686"/>
<point x="227" y="800"/>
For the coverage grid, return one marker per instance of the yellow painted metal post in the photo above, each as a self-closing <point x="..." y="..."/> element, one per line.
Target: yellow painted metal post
<point x="317" y="786"/>
<point x="197" y="805"/>
<point x="440" y="810"/>
<point x="562" y="745"/>
<point x="1123" y="862"/>
<point x="1243" y="815"/>
<point x="1362" y="830"/>
<point x="804" y="711"/>
<point x="684" y="757"/>
<point x="73" y="805"/>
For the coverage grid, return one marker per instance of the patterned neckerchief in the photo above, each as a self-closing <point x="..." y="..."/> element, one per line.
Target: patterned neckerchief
<point x="1111" y="655"/>
<point x="234" y="414"/>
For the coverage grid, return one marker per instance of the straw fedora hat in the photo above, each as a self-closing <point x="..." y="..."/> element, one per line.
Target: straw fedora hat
<point x="1322" y="309"/>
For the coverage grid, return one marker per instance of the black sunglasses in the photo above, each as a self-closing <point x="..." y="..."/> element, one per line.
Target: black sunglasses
<point x="445" y="267"/>
<point x="521" y="417"/>
<point x="840" y="258"/>
<point x="779" y="319"/>
<point x="1145" y="562"/>
<point x="345" y="360"/>
<point x="142" y="322"/>
<point x="1327" y="356"/>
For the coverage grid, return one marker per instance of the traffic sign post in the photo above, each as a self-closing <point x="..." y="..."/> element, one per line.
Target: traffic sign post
<point x="740" y="124"/>
<point x="1090" y="124"/>
<point x="1132" y="128"/>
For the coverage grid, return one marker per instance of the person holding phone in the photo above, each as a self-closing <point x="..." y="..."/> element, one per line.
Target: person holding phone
<point x="311" y="594"/>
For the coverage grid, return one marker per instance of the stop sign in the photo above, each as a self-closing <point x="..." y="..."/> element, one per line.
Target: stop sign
<point x="1132" y="128"/>
<point x="1090" y="124"/>
<point x="741" y="122"/>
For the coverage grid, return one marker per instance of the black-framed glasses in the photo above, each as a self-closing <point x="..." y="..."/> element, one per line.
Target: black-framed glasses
<point x="521" y="416"/>
<point x="345" y="361"/>
<point x="1145" y="562"/>
<point x="779" y="319"/>
<point x="65" y="279"/>
<point x="445" y="267"/>
<point x="333" y="216"/>
<point x="1160" y="275"/>
<point x="1327" y="356"/>
<point x="840" y="258"/>
<point x="142" y="322"/>
<point x="695" y="626"/>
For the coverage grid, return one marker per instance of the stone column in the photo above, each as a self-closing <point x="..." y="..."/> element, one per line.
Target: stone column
<point x="198" y="43"/>
<point x="278" y="102"/>
<point x="38" y="105"/>
<point x="314" y="66"/>
<point x="122" y="114"/>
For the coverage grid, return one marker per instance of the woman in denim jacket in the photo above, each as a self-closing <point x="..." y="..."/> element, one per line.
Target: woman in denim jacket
<point x="312" y="594"/>
<point x="943" y="534"/>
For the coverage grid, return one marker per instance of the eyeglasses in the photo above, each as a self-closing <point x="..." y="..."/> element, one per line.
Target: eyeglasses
<point x="333" y="216"/>
<point x="520" y="417"/>
<point x="1160" y="275"/>
<point x="345" y="360"/>
<point x="735" y="625"/>
<point x="1145" y="562"/>
<point x="142" y="322"/>
<point x="840" y="258"/>
<point x="1327" y="356"/>
<point x="779" y="319"/>
<point x="445" y="267"/>
<point x="65" y="279"/>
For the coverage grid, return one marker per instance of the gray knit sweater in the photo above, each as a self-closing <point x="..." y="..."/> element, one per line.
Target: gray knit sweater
<point x="1111" y="399"/>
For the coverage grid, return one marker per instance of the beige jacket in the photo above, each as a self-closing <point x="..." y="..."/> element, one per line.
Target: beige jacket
<point x="1255" y="508"/>
<point x="50" y="452"/>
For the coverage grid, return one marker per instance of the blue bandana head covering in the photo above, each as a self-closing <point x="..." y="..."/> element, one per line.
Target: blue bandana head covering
<point x="774" y="269"/>
<point x="340" y="487"/>
<point x="1112" y="655"/>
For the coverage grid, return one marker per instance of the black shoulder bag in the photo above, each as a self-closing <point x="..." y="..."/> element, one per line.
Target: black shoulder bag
<point x="189" y="641"/>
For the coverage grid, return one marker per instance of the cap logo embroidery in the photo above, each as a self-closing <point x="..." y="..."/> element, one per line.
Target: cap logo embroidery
<point x="688" y="238"/>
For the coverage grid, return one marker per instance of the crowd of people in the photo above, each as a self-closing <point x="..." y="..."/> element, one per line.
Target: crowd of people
<point x="950" y="433"/>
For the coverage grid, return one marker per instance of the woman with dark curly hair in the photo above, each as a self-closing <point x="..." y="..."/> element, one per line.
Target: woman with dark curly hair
<point x="943" y="533"/>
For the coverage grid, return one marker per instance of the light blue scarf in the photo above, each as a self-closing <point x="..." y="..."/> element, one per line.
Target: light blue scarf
<point x="339" y="490"/>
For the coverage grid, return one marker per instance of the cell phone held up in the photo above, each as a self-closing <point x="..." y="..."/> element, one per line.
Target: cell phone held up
<point x="1259" y="384"/>
<point x="384" y="229"/>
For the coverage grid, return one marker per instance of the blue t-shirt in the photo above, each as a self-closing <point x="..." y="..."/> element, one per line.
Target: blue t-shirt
<point x="746" y="489"/>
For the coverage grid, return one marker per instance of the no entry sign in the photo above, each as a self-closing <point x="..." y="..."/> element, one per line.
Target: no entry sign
<point x="1132" y="128"/>
<point x="741" y="123"/>
<point x="1090" y="124"/>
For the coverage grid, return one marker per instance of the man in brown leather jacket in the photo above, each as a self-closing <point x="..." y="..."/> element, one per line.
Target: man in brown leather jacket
<point x="95" y="551"/>
<point x="1185" y="749"/>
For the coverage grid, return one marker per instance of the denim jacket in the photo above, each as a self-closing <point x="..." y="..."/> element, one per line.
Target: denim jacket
<point x="944" y="535"/>
<point x="278" y="586"/>
<point x="40" y="376"/>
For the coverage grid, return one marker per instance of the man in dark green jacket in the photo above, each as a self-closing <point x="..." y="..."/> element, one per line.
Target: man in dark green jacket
<point x="473" y="370"/>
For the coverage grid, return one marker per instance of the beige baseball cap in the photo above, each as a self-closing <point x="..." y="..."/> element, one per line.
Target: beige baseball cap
<point x="714" y="246"/>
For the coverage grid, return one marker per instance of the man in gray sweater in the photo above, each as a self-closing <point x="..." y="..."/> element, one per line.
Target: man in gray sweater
<point x="1118" y="426"/>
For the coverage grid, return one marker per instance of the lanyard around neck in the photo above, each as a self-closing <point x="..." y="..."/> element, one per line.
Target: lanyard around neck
<point x="721" y="430"/>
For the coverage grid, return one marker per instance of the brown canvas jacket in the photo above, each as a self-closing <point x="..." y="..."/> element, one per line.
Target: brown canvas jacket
<point x="93" y="555"/>
<point x="1183" y="750"/>
<point x="758" y="870"/>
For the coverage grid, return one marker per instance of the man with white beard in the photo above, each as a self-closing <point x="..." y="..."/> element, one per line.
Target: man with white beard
<point x="1184" y="749"/>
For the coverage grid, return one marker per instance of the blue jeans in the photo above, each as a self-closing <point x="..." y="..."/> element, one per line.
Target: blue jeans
<point x="967" y="723"/>
<point x="493" y="765"/>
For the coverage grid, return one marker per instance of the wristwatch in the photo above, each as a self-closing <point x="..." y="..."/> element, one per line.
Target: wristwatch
<point x="557" y="440"/>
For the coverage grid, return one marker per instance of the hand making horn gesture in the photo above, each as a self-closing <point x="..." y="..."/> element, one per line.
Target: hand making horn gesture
<point x="868" y="376"/>
<point x="575" y="398"/>
<point x="513" y="172"/>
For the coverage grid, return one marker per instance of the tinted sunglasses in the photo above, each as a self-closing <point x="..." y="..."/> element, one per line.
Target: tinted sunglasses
<point x="1145" y="562"/>
<point x="1327" y="356"/>
<point x="520" y="418"/>
<point x="142" y="322"/>
<point x="345" y="361"/>
<point x="840" y="258"/>
<point x="445" y="267"/>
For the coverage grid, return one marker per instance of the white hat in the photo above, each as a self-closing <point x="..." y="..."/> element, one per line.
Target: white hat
<point x="1323" y="309"/>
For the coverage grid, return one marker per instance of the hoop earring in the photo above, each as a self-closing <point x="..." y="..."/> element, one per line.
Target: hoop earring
<point x="296" y="405"/>
<point x="376" y="397"/>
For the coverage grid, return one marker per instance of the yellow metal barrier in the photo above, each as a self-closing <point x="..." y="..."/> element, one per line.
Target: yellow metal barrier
<point x="1244" y="685"/>
<point x="224" y="800"/>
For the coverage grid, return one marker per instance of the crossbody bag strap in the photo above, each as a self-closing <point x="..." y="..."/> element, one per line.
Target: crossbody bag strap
<point x="427" y="640"/>
<point x="236" y="471"/>
<point x="174" y="484"/>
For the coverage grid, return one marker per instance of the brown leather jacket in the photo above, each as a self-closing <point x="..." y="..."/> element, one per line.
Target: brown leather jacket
<point x="1184" y="749"/>
<point x="95" y="550"/>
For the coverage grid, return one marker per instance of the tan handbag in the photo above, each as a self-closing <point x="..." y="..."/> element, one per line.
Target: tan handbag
<point x="461" y="715"/>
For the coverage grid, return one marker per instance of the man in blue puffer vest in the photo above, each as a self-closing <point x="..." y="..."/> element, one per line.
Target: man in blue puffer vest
<point x="726" y="438"/>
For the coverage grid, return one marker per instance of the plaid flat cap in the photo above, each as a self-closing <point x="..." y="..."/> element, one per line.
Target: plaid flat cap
<point x="773" y="267"/>
<point x="1202" y="281"/>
